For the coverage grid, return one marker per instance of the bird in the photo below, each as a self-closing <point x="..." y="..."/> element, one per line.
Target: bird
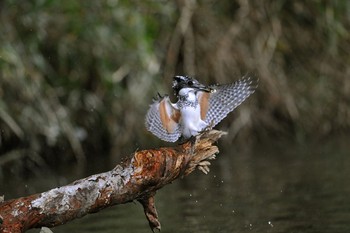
<point x="198" y="107"/>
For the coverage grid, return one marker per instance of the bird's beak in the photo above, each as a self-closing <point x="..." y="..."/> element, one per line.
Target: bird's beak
<point x="203" y="88"/>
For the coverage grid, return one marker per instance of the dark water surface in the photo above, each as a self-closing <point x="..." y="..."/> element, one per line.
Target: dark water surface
<point x="274" y="188"/>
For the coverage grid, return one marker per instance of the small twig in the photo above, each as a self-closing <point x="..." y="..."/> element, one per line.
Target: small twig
<point x="149" y="208"/>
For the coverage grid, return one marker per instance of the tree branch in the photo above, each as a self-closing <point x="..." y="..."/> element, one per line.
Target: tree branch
<point x="137" y="178"/>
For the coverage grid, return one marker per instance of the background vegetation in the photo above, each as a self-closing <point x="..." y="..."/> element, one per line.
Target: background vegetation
<point x="76" y="77"/>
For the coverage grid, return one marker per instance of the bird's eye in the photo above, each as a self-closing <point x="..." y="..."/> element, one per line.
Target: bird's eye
<point x="190" y="83"/>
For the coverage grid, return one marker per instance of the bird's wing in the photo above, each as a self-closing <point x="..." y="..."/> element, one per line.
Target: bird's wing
<point x="225" y="98"/>
<point x="162" y="120"/>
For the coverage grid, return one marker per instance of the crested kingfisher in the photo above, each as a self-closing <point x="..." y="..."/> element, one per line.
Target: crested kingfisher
<point x="198" y="107"/>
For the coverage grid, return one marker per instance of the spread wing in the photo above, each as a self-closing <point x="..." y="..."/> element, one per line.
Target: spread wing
<point x="225" y="98"/>
<point x="162" y="120"/>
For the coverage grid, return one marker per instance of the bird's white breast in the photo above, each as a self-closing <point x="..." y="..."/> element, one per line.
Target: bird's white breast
<point x="191" y="122"/>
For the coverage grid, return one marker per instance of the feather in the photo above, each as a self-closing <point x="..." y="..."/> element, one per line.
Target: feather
<point x="162" y="120"/>
<point x="225" y="98"/>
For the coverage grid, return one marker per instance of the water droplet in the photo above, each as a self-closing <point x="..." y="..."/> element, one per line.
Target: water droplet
<point x="250" y="226"/>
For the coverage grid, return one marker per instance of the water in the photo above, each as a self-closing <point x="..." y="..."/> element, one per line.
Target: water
<point x="271" y="188"/>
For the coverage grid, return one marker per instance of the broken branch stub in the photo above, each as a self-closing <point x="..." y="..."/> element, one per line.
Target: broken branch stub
<point x="138" y="178"/>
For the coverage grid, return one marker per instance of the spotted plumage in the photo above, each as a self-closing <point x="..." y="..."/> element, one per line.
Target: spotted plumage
<point x="198" y="107"/>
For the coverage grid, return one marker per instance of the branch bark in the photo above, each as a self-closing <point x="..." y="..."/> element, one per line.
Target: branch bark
<point x="138" y="178"/>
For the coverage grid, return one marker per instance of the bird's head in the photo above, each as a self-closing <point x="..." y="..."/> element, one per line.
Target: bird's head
<point x="181" y="82"/>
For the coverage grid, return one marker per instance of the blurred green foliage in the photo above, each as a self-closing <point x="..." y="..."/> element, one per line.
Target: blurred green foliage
<point x="77" y="76"/>
<point x="67" y="68"/>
